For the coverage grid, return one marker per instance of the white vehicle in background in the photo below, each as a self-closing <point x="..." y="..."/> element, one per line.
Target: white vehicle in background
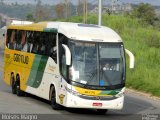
<point x="21" y="22"/>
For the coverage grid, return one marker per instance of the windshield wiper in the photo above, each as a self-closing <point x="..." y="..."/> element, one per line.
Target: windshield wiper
<point x="91" y="77"/>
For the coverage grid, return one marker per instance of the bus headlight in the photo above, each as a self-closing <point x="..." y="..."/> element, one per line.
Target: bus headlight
<point x="72" y="92"/>
<point x="75" y="93"/>
<point x="121" y="93"/>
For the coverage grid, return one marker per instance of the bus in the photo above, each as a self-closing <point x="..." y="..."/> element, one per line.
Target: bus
<point x="73" y="65"/>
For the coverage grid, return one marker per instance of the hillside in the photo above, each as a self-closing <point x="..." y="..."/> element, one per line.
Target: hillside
<point x="153" y="2"/>
<point x="20" y="11"/>
<point x="144" y="42"/>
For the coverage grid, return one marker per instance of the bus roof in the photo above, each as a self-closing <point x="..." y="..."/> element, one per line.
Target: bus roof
<point x="76" y="31"/>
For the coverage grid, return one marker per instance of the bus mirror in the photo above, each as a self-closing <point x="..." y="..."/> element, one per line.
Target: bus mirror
<point x="68" y="54"/>
<point x="131" y="59"/>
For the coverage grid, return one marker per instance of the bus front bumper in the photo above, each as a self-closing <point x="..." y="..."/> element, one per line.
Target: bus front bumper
<point x="73" y="101"/>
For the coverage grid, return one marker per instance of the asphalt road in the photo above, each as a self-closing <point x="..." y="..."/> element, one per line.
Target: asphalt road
<point x="136" y="107"/>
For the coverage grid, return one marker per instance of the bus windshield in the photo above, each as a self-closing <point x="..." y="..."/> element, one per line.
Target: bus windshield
<point x="97" y="64"/>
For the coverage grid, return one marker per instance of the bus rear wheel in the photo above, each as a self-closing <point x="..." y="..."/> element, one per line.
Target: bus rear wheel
<point x="102" y="111"/>
<point x="53" y="100"/>
<point x="13" y="85"/>
<point x="19" y="92"/>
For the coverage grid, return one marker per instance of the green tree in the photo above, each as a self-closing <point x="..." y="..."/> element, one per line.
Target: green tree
<point x="145" y="12"/>
<point x="60" y="11"/>
<point x="80" y="7"/>
<point x="30" y="17"/>
<point x="41" y="13"/>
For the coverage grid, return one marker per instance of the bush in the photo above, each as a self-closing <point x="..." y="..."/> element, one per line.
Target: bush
<point x="146" y="13"/>
<point x="153" y="40"/>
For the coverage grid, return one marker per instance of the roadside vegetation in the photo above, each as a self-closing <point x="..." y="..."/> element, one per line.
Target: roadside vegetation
<point x="143" y="39"/>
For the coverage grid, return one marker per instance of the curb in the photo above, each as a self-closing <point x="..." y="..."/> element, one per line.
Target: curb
<point x="141" y="93"/>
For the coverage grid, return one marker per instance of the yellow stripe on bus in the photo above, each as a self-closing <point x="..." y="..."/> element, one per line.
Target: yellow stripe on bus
<point x="11" y="65"/>
<point x="89" y="92"/>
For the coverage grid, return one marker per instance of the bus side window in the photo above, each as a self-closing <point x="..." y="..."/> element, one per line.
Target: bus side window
<point x="62" y="57"/>
<point x="50" y="46"/>
<point x="42" y="43"/>
<point x="11" y="39"/>
<point x="17" y="44"/>
<point x="53" y="47"/>
<point x="24" y="42"/>
<point x="8" y="38"/>
<point x="29" y="39"/>
<point x="28" y="33"/>
<point x="35" y="43"/>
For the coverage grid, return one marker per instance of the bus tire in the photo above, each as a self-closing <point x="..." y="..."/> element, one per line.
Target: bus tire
<point x="13" y="85"/>
<point x="102" y="111"/>
<point x="19" y="92"/>
<point x="54" y="104"/>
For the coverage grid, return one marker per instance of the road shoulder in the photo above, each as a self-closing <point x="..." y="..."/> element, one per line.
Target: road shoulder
<point x="140" y="93"/>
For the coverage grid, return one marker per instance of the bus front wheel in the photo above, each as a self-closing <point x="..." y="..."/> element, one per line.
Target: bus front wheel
<point x="53" y="100"/>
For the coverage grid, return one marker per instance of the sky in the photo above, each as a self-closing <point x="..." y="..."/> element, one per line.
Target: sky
<point x="153" y="2"/>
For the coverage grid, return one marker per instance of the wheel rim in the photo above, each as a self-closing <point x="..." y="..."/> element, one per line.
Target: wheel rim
<point x="53" y="99"/>
<point x="17" y="87"/>
<point x="13" y="87"/>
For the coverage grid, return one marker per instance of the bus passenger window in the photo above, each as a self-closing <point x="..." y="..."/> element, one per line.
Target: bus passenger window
<point x="35" y="48"/>
<point x="24" y="42"/>
<point x="29" y="39"/>
<point x="41" y="49"/>
<point x="62" y="57"/>
<point x="35" y="43"/>
<point x="8" y="38"/>
<point x="11" y="40"/>
<point x="63" y="66"/>
<point x="53" y="52"/>
<point x="18" y="45"/>
<point x="42" y="43"/>
<point x="51" y="49"/>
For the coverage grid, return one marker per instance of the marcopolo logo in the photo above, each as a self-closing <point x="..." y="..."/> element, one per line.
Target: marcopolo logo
<point x="21" y="58"/>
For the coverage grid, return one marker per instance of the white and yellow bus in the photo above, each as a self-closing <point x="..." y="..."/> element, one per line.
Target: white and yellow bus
<point x="70" y="64"/>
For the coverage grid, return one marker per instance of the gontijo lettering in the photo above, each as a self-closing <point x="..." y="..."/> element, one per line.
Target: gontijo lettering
<point x="21" y="58"/>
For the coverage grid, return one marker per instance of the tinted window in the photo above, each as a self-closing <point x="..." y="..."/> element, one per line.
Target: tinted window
<point x="62" y="56"/>
<point x="43" y="43"/>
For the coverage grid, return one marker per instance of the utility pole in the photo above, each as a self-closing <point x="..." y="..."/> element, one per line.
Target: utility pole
<point x="66" y="2"/>
<point x="85" y="11"/>
<point x="100" y="13"/>
<point x="78" y="7"/>
<point x="112" y="7"/>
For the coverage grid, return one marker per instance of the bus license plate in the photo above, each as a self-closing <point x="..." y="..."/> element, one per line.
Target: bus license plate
<point x="97" y="104"/>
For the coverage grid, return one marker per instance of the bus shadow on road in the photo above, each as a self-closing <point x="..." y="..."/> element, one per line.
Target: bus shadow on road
<point x="126" y="111"/>
<point x="65" y="110"/>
